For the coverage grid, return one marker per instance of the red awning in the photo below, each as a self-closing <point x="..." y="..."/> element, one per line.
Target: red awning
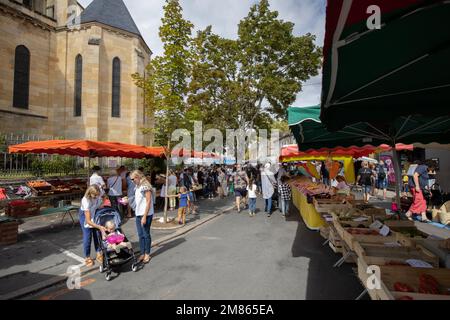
<point x="87" y="148"/>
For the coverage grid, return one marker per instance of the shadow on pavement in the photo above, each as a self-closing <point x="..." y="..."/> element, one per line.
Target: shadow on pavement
<point x="324" y="281"/>
<point x="167" y="246"/>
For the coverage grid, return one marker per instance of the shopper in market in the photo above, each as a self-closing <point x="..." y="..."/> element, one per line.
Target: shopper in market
<point x="419" y="187"/>
<point x="382" y="172"/>
<point x="96" y="179"/>
<point x="365" y="176"/>
<point x="268" y="188"/>
<point x="284" y="190"/>
<point x="114" y="186"/>
<point x="325" y="174"/>
<point x="240" y="183"/>
<point x="144" y="210"/>
<point x="172" y="190"/>
<point x="91" y="201"/>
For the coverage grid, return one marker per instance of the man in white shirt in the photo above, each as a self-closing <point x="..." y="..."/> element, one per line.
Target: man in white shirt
<point x="114" y="184"/>
<point x="96" y="179"/>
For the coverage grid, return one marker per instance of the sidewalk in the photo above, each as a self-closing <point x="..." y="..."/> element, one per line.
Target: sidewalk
<point x="47" y="249"/>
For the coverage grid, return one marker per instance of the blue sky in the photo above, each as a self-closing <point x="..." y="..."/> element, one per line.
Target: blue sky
<point x="224" y="16"/>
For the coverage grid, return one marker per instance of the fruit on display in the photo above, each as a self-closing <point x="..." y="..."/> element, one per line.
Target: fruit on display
<point x="39" y="184"/>
<point x="428" y="284"/>
<point x="402" y="287"/>
<point x="365" y="232"/>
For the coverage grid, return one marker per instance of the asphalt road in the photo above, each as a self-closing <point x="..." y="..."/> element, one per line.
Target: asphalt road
<point x="231" y="257"/>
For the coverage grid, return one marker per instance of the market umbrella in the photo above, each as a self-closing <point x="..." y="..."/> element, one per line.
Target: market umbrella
<point x="312" y="135"/>
<point x="90" y="149"/>
<point x="87" y="148"/>
<point x="390" y="76"/>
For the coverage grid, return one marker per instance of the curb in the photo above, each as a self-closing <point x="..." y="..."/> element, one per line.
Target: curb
<point x="62" y="278"/>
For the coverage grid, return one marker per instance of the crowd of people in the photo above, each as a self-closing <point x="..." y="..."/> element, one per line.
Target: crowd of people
<point x="184" y="188"/>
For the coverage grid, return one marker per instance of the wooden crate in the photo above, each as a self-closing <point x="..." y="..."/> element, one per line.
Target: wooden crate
<point x="389" y="275"/>
<point x="410" y="276"/>
<point x="326" y="205"/>
<point x="351" y="224"/>
<point x="335" y="240"/>
<point x="382" y="255"/>
<point x="9" y="232"/>
<point x="324" y="232"/>
<point x="336" y="249"/>
<point x="23" y="211"/>
<point x="351" y="239"/>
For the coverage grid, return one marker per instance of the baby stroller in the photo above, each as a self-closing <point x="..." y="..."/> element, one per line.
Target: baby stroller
<point x="112" y="259"/>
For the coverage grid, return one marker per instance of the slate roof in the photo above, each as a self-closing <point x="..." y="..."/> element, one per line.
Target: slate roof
<point x="113" y="13"/>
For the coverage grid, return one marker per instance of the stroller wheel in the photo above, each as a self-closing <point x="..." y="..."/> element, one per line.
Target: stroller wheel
<point x="101" y="269"/>
<point x="108" y="276"/>
<point x="134" y="267"/>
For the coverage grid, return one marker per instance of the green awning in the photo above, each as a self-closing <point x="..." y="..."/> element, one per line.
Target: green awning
<point x="383" y="76"/>
<point x="310" y="133"/>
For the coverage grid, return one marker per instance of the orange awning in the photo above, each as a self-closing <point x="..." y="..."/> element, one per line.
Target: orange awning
<point x="356" y="152"/>
<point x="91" y="149"/>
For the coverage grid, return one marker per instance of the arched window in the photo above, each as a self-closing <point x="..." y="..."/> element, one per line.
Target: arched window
<point x="21" y="77"/>
<point x="78" y="85"/>
<point x="116" y="88"/>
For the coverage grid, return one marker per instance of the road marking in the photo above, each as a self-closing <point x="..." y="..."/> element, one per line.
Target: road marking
<point x="64" y="291"/>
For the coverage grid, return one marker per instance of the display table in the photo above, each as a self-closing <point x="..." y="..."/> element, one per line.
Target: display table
<point x="311" y="217"/>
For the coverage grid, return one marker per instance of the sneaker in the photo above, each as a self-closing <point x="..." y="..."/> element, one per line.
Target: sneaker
<point x="269" y="215"/>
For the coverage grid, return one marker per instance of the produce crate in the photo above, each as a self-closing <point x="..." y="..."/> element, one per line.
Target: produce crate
<point x="383" y="255"/>
<point x="389" y="275"/>
<point x="343" y="222"/>
<point x="335" y="242"/>
<point x="375" y="212"/>
<point x="9" y="232"/>
<point x="23" y="210"/>
<point x="326" y="205"/>
<point x="325" y="232"/>
<point x="351" y="239"/>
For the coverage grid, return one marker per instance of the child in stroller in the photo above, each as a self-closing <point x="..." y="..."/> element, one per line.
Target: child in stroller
<point x="113" y="239"/>
<point x="116" y="249"/>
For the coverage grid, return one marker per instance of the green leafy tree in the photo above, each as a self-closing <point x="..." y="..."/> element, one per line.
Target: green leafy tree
<point x="166" y="81"/>
<point x="246" y="83"/>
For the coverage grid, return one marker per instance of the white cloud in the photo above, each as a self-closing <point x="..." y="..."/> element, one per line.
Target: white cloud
<point x="224" y="16"/>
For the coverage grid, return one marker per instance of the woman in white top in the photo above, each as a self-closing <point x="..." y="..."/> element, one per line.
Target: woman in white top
<point x="114" y="184"/>
<point x="91" y="201"/>
<point x="172" y="190"/>
<point x="144" y="210"/>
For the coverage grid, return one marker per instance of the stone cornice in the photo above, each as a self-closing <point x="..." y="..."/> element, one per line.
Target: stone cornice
<point x="38" y="22"/>
<point x="121" y="32"/>
<point x="23" y="114"/>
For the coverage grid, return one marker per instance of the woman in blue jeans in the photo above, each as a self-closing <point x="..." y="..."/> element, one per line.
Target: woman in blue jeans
<point x="144" y="210"/>
<point x="91" y="201"/>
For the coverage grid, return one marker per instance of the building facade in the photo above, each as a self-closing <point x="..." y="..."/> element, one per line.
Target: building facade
<point x="71" y="78"/>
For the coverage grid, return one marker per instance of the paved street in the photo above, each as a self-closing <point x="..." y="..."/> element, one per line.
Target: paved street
<point x="231" y="257"/>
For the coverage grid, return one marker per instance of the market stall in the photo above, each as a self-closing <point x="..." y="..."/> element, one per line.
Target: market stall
<point x="44" y="197"/>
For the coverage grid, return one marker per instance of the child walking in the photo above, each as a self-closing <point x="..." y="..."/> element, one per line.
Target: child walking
<point x="251" y="189"/>
<point x="184" y="204"/>
<point x="285" y="195"/>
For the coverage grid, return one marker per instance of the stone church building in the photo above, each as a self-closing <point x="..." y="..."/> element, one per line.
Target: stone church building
<point x="71" y="79"/>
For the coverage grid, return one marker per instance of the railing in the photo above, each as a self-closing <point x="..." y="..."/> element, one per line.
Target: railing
<point x="16" y="166"/>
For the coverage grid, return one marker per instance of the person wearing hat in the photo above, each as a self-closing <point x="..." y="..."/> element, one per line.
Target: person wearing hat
<point x="97" y="180"/>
